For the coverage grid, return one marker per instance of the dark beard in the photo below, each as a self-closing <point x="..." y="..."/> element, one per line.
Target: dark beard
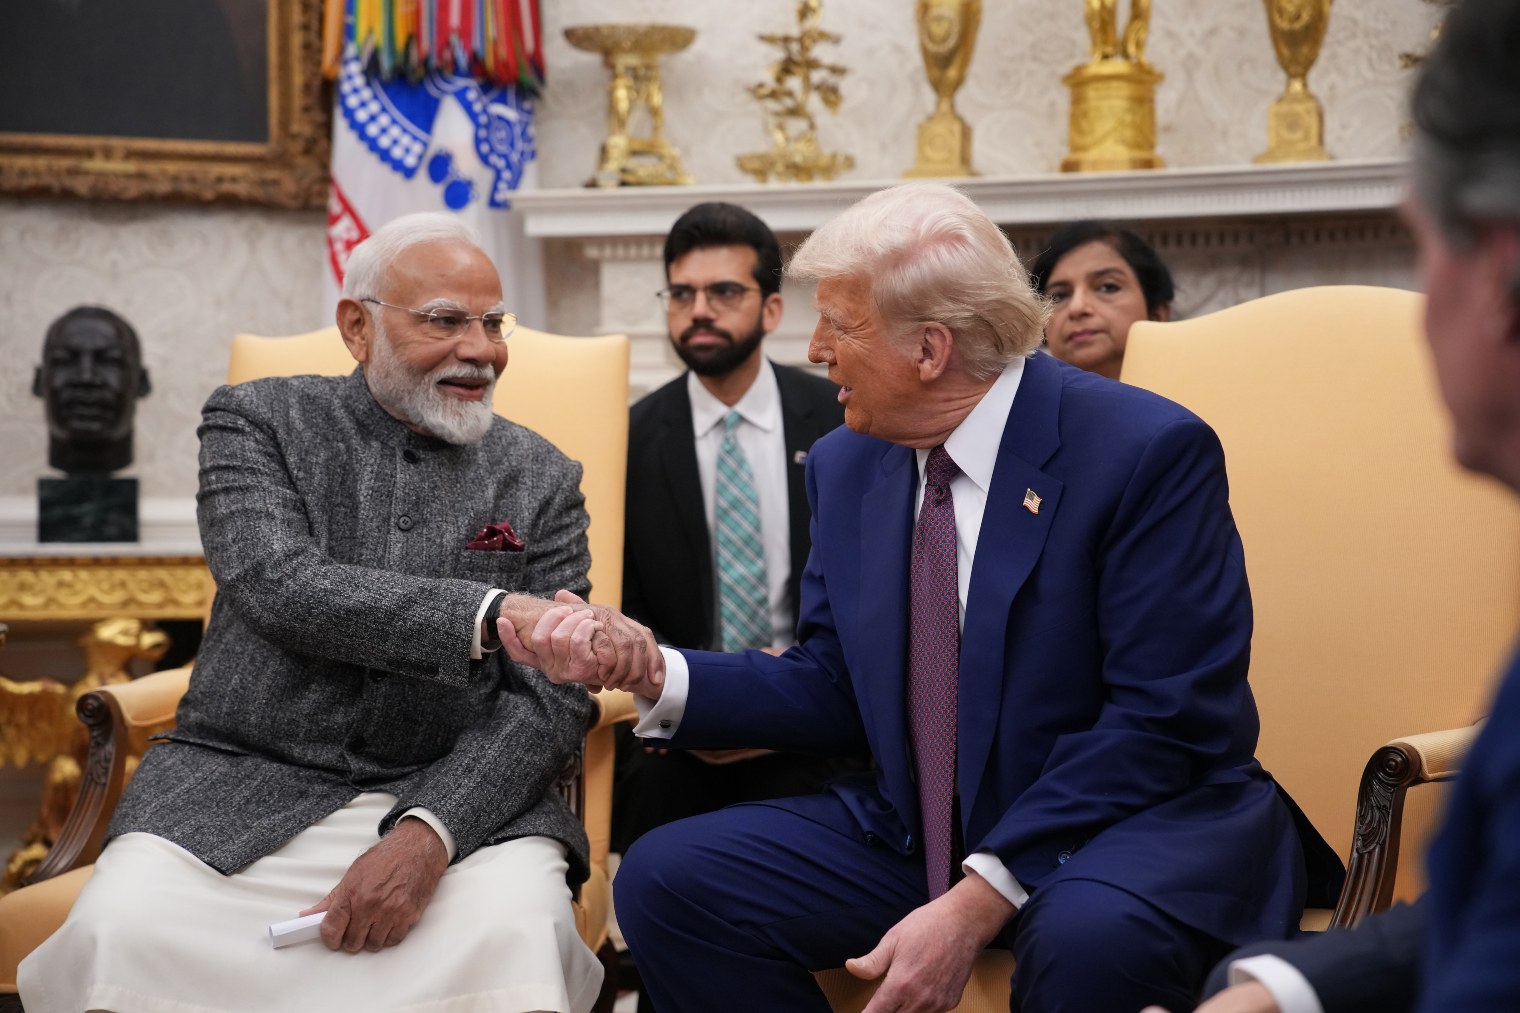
<point x="722" y="359"/>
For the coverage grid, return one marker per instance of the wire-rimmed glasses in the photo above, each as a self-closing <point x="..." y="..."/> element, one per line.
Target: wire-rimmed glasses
<point x="721" y="295"/>
<point x="448" y="322"/>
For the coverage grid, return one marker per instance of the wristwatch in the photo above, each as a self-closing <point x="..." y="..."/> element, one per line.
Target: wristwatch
<point x="488" y="621"/>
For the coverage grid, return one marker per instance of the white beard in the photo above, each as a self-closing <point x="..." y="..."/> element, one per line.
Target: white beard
<point x="414" y="397"/>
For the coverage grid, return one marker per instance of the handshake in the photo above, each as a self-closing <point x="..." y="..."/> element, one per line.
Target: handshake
<point x="570" y="640"/>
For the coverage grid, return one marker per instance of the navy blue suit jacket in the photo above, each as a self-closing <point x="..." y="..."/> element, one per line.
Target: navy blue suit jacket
<point x="1458" y="948"/>
<point x="1472" y="906"/>
<point x="1106" y="729"/>
<point x="1372" y="968"/>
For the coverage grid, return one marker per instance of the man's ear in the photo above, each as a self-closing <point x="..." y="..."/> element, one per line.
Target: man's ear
<point x="936" y="347"/>
<point x="1508" y="241"/>
<point x="1512" y="310"/>
<point x="144" y="385"/>
<point x="770" y="312"/>
<point x="37" y="382"/>
<point x="1498" y="258"/>
<point x="354" y="324"/>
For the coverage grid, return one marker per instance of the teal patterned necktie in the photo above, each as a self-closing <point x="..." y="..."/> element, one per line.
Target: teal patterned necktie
<point x="743" y="604"/>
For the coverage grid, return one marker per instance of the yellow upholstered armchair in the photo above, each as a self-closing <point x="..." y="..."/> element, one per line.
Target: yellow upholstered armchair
<point x="1385" y="581"/>
<point x="574" y="392"/>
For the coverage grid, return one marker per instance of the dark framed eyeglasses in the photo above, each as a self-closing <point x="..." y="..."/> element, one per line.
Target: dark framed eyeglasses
<point x="447" y="322"/>
<point x="721" y="295"/>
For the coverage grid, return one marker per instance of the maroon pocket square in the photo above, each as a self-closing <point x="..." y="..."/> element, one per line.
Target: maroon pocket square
<point x="498" y="537"/>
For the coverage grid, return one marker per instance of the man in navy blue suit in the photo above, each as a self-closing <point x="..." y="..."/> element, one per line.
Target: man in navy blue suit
<point x="1027" y="597"/>
<point x="1459" y="947"/>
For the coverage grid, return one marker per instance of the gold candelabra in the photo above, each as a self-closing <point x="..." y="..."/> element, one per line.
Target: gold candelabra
<point x="946" y="37"/>
<point x="796" y="79"/>
<point x="1296" y="120"/>
<point x="1113" y="94"/>
<point x="632" y="53"/>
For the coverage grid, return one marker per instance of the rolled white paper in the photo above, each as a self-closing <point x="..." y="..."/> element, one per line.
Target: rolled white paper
<point x="297" y="930"/>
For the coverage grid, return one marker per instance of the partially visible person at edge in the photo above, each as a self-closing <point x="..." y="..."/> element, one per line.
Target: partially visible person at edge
<point x="1458" y="947"/>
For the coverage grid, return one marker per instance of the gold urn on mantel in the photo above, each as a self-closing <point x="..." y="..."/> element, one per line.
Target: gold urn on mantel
<point x="1113" y="95"/>
<point x="946" y="37"/>
<point x="632" y="53"/>
<point x="1296" y="120"/>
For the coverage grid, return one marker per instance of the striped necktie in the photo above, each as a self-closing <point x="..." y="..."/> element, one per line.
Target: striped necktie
<point x="743" y="603"/>
<point x="934" y="651"/>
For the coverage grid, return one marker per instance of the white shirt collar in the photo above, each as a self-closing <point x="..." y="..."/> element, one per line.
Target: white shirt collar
<point x="760" y="406"/>
<point x="974" y="444"/>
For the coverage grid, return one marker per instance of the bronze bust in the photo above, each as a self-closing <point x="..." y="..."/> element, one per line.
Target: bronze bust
<point x="90" y="379"/>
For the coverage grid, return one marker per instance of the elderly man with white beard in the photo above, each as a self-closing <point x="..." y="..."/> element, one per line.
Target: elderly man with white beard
<point x="352" y="742"/>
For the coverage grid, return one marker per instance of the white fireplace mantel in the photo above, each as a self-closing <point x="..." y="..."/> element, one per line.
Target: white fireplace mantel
<point x="1229" y="233"/>
<point x="1153" y="195"/>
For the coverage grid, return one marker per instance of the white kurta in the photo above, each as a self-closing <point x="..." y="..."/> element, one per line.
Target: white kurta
<point x="157" y="930"/>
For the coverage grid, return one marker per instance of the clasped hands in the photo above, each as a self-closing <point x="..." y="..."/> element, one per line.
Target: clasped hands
<point x="571" y="641"/>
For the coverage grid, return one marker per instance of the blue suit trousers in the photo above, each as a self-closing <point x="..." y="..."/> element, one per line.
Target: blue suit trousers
<point x="732" y="910"/>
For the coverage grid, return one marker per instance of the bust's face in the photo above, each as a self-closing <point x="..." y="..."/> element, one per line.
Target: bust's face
<point x="89" y="381"/>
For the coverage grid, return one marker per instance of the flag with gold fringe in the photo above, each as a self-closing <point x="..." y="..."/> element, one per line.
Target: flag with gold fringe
<point x="433" y="111"/>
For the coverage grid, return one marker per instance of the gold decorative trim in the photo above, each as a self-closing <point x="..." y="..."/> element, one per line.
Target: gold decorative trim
<point x="290" y="170"/>
<point x="84" y="587"/>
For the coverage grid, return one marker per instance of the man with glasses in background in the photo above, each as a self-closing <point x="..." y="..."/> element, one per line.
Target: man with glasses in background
<point x="353" y="744"/>
<point x="717" y="516"/>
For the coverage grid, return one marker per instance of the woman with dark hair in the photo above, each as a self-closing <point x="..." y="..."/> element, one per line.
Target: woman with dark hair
<point x="1099" y="278"/>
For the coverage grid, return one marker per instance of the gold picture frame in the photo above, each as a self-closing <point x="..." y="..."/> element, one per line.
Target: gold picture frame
<point x="287" y="167"/>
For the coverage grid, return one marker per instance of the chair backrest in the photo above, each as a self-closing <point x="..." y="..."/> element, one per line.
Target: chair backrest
<point x="1386" y="581"/>
<point x="571" y="391"/>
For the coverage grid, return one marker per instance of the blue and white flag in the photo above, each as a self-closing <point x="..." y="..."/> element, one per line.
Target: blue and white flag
<point x="446" y="143"/>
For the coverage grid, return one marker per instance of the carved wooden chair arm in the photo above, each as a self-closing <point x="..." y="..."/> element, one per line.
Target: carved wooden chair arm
<point x="119" y="720"/>
<point x="1395" y="768"/>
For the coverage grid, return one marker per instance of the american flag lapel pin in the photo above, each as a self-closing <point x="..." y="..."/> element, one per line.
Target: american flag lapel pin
<point x="1032" y="501"/>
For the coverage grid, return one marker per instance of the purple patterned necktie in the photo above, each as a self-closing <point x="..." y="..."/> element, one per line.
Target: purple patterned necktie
<point x="934" y="652"/>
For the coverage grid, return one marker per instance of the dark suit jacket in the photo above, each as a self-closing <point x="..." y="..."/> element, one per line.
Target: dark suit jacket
<point x="338" y="655"/>
<point x="1106" y="730"/>
<point x="1472" y="907"/>
<point x="1458" y="948"/>
<point x="1372" y="968"/>
<point x="667" y="549"/>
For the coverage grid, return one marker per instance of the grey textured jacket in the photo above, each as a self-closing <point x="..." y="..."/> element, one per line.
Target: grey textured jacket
<point x="337" y="660"/>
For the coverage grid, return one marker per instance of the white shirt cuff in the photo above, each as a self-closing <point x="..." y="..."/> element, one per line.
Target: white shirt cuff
<point x="1289" y="988"/>
<point x="659" y="719"/>
<point x="426" y="816"/>
<point x="477" y="649"/>
<point x="986" y="865"/>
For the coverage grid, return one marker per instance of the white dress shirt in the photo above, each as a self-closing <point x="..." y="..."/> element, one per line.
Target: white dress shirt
<point x="973" y="446"/>
<point x="761" y="437"/>
<point x="1289" y="988"/>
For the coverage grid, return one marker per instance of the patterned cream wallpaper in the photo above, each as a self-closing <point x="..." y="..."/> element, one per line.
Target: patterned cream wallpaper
<point x="190" y="277"/>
